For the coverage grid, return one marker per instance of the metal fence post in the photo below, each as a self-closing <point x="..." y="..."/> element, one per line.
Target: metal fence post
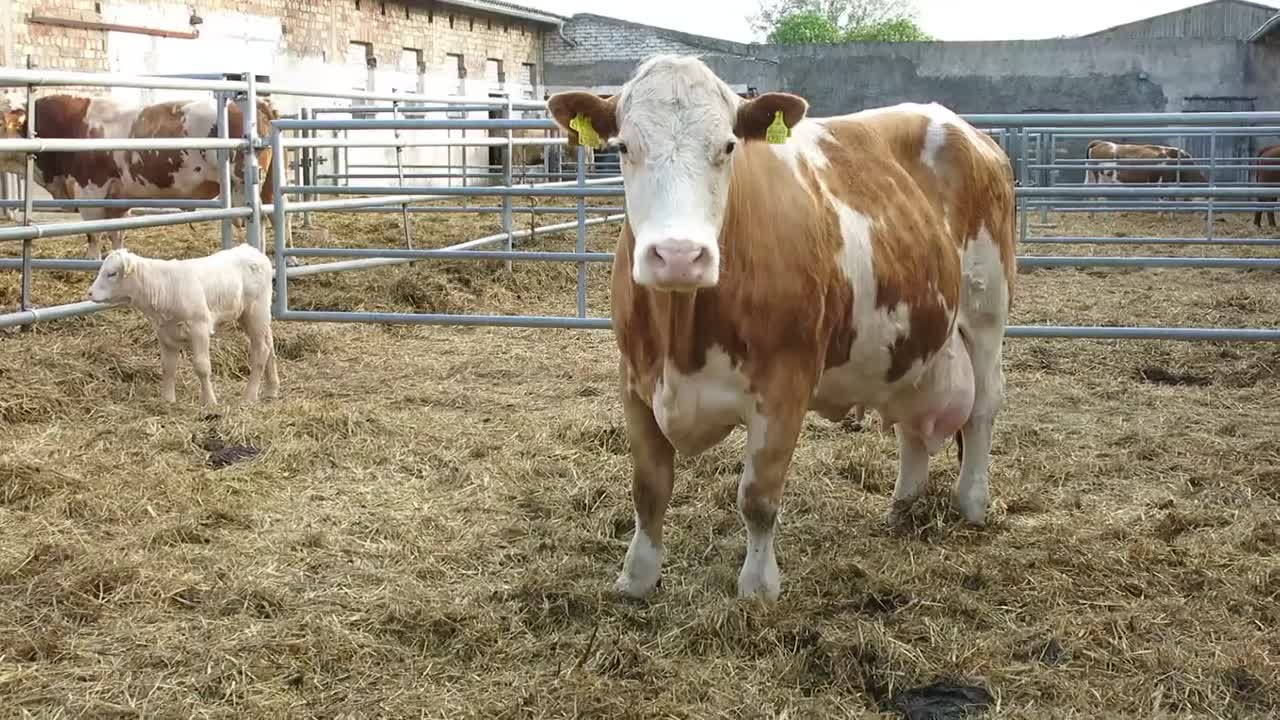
<point x="253" y="195"/>
<point x="508" y="113"/>
<point x="582" y="234"/>
<point x="24" y="291"/>
<point x="1213" y="166"/>
<point x="279" y="222"/>
<point x="224" y="166"/>
<point x="404" y="209"/>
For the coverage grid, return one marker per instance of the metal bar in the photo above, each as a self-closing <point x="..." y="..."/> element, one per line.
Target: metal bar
<point x="104" y="203"/>
<point x="1068" y="240"/>
<point x="412" y="124"/>
<point x="125" y="223"/>
<point x="521" y="321"/>
<point x="1120" y="191"/>
<point x="27" y="318"/>
<point x="253" y="195"/>
<point x="454" y="254"/>
<point x="1041" y="120"/>
<point x="538" y="191"/>
<point x="1213" y="176"/>
<point x="110" y="27"/>
<point x="1148" y="262"/>
<point x="224" y="167"/>
<point x="581" y="245"/>
<point x="15" y="77"/>
<point x="368" y="263"/>
<point x="33" y="145"/>
<point x="507" y="180"/>
<point x="1144" y="333"/>
<point x="279" y="224"/>
<point x="296" y="142"/>
<point x="307" y="162"/>
<point x="29" y="171"/>
<point x="404" y="207"/>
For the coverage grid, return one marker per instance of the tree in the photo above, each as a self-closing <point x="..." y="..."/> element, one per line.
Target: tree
<point x="886" y="20"/>
<point x="804" y="27"/>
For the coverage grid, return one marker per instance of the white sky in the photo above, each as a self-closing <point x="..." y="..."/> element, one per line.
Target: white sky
<point x="944" y="19"/>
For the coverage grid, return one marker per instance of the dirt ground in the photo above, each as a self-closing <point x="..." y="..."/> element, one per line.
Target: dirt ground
<point x="428" y="522"/>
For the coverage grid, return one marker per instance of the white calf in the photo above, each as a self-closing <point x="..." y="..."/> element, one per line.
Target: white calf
<point x="189" y="300"/>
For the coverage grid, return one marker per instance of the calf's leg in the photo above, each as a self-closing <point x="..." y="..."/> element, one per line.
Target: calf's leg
<point x="200" y="335"/>
<point x="169" y="351"/>
<point x="652" y="477"/>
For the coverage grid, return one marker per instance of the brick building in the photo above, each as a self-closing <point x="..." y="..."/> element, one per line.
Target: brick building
<point x="436" y="46"/>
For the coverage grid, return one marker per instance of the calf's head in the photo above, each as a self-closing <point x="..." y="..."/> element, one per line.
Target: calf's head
<point x="676" y="127"/>
<point x="117" y="278"/>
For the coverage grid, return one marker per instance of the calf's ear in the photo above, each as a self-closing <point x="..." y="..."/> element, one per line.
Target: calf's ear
<point x="755" y="116"/>
<point x="129" y="264"/>
<point x="587" y="118"/>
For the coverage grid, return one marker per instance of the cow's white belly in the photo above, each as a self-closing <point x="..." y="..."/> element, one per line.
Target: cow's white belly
<point x="698" y="410"/>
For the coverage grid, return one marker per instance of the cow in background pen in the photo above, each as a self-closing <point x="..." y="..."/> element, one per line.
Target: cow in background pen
<point x="136" y="174"/>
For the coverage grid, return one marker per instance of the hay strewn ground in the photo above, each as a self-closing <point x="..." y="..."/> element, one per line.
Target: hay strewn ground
<point x="436" y="516"/>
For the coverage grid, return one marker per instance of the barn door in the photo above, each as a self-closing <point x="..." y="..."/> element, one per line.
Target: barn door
<point x="1226" y="149"/>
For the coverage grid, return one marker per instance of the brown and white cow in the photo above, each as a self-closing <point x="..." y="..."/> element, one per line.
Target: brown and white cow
<point x="134" y="174"/>
<point x="867" y="262"/>
<point x="1267" y="171"/>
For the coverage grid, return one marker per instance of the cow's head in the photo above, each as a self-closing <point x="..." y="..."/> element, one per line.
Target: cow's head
<point x="676" y="126"/>
<point x="117" y="278"/>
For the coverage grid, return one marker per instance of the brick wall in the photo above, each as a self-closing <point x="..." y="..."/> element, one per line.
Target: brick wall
<point x="317" y="31"/>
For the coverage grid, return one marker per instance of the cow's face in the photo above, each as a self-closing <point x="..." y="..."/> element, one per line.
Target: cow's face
<point x="676" y="127"/>
<point x="15" y="126"/>
<point x="115" y="278"/>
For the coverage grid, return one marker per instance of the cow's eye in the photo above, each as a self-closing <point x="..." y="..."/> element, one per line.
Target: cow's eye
<point x="729" y="146"/>
<point x="622" y="148"/>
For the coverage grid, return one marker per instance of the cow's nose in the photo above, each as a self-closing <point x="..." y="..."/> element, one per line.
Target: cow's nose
<point x="680" y="264"/>
<point x="677" y="254"/>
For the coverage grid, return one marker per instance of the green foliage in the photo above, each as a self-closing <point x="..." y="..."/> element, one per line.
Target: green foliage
<point x="790" y="22"/>
<point x="804" y="27"/>
<point x="897" y="30"/>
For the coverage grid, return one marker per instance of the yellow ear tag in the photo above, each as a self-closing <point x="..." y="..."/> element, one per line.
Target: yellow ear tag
<point x="587" y="135"/>
<point x="778" y="131"/>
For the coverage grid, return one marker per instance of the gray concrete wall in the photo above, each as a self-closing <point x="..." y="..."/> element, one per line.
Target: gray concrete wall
<point x="1077" y="75"/>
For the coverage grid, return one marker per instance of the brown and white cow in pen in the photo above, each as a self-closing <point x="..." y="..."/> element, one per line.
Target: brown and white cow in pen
<point x="866" y="262"/>
<point x="1267" y="171"/>
<point x="1114" y="160"/>
<point x="135" y="174"/>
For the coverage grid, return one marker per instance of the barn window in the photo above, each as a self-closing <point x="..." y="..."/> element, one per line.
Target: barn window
<point x="529" y="80"/>
<point x="361" y="64"/>
<point x="460" y="71"/>
<point x="493" y="74"/>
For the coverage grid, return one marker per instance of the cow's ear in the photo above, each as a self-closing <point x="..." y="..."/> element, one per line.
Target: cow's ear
<point x="756" y="116"/>
<point x="583" y="115"/>
<point x="127" y="260"/>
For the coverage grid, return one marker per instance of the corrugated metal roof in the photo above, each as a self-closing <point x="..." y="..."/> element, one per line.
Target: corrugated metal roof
<point x="1217" y="19"/>
<point x="502" y="7"/>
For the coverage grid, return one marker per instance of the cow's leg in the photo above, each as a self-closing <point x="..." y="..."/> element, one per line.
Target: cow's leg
<point x="771" y="441"/>
<point x="913" y="474"/>
<point x="652" y="477"/>
<point x="986" y="348"/>
<point x="984" y="314"/>
<point x="93" y="250"/>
